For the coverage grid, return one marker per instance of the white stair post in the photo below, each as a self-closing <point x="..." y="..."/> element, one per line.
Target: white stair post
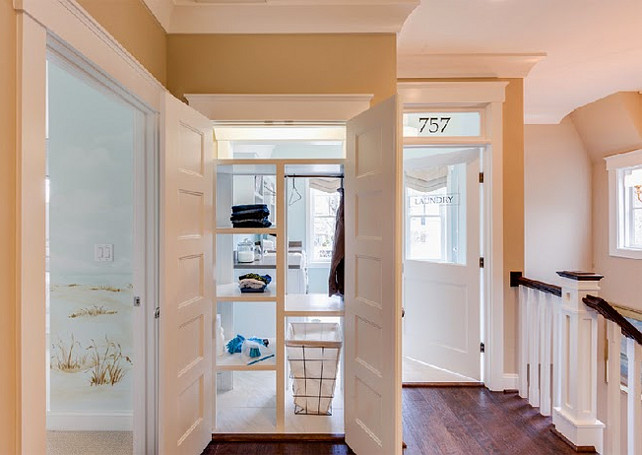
<point x="576" y="416"/>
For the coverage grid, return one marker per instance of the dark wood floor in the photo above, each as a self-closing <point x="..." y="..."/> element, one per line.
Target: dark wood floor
<point x="462" y="420"/>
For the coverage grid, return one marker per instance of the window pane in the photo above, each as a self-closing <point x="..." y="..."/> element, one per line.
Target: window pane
<point x="321" y="205"/>
<point x="637" y="228"/>
<point x="425" y="238"/>
<point x="323" y="238"/>
<point x="324" y="212"/>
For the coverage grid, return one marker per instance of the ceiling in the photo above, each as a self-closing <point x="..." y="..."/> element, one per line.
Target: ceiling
<point x="592" y="48"/>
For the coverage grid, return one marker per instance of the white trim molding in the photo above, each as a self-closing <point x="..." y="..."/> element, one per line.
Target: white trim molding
<point x="44" y="25"/>
<point x="259" y="108"/>
<point x="488" y="97"/>
<point x="282" y="16"/>
<point x="616" y="208"/>
<point x="466" y="65"/>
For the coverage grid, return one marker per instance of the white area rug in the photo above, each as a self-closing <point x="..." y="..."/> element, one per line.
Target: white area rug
<point x="89" y="443"/>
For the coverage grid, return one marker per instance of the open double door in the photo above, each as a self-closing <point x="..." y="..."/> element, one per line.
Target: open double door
<point x="372" y="338"/>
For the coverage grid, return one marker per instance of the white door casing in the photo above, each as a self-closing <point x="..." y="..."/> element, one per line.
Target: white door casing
<point x="187" y="261"/>
<point x="373" y="290"/>
<point x="442" y="299"/>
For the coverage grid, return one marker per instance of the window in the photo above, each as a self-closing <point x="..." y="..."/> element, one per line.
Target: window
<point x="323" y="213"/>
<point x="625" y="201"/>
<point x="426" y="225"/>
<point x="435" y="211"/>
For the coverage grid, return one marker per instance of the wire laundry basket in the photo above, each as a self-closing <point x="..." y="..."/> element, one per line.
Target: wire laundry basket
<point x="313" y="350"/>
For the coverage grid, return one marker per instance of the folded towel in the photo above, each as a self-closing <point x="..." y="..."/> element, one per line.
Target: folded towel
<point x="251" y="284"/>
<point x="254" y="213"/>
<point x="266" y="279"/>
<point x="241" y="208"/>
<point x="264" y="223"/>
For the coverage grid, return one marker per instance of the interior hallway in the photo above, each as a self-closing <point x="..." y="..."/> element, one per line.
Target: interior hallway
<point x="461" y="420"/>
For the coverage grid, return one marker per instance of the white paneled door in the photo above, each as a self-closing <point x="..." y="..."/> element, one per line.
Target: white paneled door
<point x="442" y="266"/>
<point x="372" y="294"/>
<point x="186" y="241"/>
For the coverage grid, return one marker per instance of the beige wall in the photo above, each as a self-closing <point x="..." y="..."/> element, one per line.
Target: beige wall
<point x="609" y="126"/>
<point x="513" y="212"/>
<point x="134" y="26"/>
<point x="513" y="167"/>
<point x="557" y="201"/>
<point x="340" y="63"/>
<point x="8" y="384"/>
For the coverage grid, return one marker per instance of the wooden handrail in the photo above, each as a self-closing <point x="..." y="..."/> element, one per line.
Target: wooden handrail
<point x="606" y="309"/>
<point x="516" y="279"/>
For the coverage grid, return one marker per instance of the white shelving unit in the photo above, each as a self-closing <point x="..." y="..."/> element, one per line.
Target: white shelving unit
<point x="228" y="295"/>
<point x="231" y="293"/>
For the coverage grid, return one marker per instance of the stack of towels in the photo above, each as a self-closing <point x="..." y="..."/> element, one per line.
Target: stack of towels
<point x="250" y="216"/>
<point x="253" y="282"/>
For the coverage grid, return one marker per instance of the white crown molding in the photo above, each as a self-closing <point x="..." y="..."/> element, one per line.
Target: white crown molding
<point x="449" y="93"/>
<point x="466" y="65"/>
<point x="282" y="16"/>
<point x="253" y="108"/>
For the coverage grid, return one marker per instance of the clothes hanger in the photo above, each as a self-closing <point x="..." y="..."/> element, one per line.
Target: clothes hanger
<point x="295" y="196"/>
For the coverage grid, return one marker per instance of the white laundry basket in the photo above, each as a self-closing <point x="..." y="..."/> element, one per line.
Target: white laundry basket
<point x="313" y="350"/>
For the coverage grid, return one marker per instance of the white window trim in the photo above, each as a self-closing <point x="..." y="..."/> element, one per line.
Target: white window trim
<point x="613" y="165"/>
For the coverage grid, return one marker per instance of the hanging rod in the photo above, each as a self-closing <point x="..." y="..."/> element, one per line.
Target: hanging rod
<point x="311" y="176"/>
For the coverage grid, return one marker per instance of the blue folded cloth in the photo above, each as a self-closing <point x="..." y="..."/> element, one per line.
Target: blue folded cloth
<point x="258" y="223"/>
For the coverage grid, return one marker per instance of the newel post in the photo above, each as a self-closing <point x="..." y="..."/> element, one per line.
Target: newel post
<point x="576" y="416"/>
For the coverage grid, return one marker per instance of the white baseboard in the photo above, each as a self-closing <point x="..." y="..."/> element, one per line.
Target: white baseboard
<point x="510" y="381"/>
<point x="81" y="421"/>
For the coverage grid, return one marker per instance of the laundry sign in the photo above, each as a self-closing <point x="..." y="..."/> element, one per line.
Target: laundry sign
<point x="438" y="199"/>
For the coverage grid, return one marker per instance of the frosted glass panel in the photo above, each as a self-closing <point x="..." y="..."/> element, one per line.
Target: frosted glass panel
<point x="442" y="124"/>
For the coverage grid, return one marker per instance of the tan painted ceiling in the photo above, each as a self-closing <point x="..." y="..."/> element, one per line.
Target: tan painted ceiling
<point x="593" y="47"/>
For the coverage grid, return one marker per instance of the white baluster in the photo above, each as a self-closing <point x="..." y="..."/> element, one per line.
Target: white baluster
<point x="534" y="339"/>
<point x="523" y="341"/>
<point x="546" y="343"/>
<point x="557" y="352"/>
<point x="613" y="391"/>
<point x="634" y="405"/>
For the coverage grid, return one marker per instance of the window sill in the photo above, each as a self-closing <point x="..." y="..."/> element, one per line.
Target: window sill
<point x="628" y="253"/>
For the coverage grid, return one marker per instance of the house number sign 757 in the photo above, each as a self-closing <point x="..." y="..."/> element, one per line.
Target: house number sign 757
<point x="433" y="125"/>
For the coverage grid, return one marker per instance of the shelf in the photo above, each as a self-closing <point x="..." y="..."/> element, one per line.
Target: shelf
<point x="232" y="230"/>
<point x="231" y="293"/>
<point x="303" y="305"/>
<point x="237" y="362"/>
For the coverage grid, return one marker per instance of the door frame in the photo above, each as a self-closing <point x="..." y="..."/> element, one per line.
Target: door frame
<point x="42" y="25"/>
<point x="487" y="97"/>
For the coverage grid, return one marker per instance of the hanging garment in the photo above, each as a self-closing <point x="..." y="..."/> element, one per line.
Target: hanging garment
<point x="336" y="280"/>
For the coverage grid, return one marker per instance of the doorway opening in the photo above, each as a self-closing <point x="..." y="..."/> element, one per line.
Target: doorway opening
<point x="278" y="193"/>
<point x="443" y="272"/>
<point x="100" y="263"/>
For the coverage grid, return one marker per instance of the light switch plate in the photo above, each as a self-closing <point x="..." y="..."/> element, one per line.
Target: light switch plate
<point x="104" y="252"/>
